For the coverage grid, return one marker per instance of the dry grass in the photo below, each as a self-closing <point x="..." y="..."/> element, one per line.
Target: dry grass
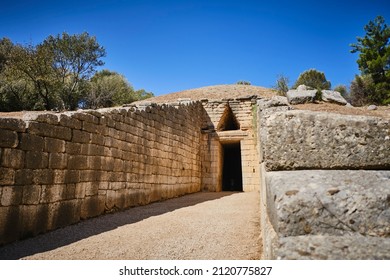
<point x="215" y="93"/>
<point x="220" y="92"/>
<point x="382" y="111"/>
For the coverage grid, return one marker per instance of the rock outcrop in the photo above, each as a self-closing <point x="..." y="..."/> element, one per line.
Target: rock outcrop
<point x="301" y="95"/>
<point x="333" y="96"/>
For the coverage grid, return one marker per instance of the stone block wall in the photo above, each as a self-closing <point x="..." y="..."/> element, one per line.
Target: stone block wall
<point x="325" y="184"/>
<point x="57" y="169"/>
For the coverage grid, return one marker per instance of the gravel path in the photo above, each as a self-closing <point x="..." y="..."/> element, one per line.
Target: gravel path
<point x="204" y="226"/>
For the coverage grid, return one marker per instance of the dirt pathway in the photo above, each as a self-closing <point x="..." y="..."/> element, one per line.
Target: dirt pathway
<point x="203" y="226"/>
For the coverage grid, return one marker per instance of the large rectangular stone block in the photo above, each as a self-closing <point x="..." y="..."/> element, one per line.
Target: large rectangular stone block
<point x="53" y="145"/>
<point x="71" y="176"/>
<point x="52" y="193"/>
<point x="316" y="140"/>
<point x="77" y="162"/>
<point x="81" y="136"/>
<point x="91" y="188"/>
<point x="333" y="202"/>
<point x="93" y="128"/>
<point x="58" y="160"/>
<point x="43" y="176"/>
<point x="11" y="195"/>
<point x="9" y="224"/>
<point x="7" y="176"/>
<point x="24" y="177"/>
<point x="8" y="138"/>
<point x="91" y="206"/>
<point x="70" y="122"/>
<point x="48" y="130"/>
<point x="12" y="158"/>
<point x="12" y="124"/>
<point x="31" y="194"/>
<point x="36" y="160"/>
<point x="73" y="148"/>
<point x="86" y="117"/>
<point x="31" y="142"/>
<point x="321" y="247"/>
<point x="64" y="213"/>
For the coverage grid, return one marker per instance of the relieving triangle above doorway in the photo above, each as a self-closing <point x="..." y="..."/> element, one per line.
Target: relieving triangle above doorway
<point x="228" y="120"/>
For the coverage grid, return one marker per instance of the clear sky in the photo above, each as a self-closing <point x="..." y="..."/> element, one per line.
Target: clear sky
<point x="168" y="46"/>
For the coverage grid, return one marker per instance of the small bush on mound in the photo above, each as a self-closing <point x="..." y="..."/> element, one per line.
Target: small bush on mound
<point x="243" y="83"/>
<point x="282" y="85"/>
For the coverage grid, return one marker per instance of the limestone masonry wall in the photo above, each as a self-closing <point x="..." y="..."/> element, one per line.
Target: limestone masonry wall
<point x="57" y="169"/>
<point x="325" y="184"/>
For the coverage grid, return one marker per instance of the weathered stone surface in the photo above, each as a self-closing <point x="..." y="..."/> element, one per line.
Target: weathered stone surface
<point x="52" y="193"/>
<point x="24" y="177"/>
<point x="8" y="138"/>
<point x="13" y="158"/>
<point x="54" y="145"/>
<point x="58" y="161"/>
<point x="48" y="118"/>
<point x="11" y="195"/>
<point x="275" y="101"/>
<point x="43" y="176"/>
<point x="321" y="247"/>
<point x="303" y="87"/>
<point x="31" y="194"/>
<point x="31" y="142"/>
<point x="35" y="160"/>
<point x="12" y="124"/>
<point x="372" y="107"/>
<point x="301" y="96"/>
<point x="333" y="96"/>
<point x="70" y="122"/>
<point x="81" y="136"/>
<point x="49" y="130"/>
<point x="70" y="165"/>
<point x="334" y="202"/>
<point x="316" y="140"/>
<point x="7" y="176"/>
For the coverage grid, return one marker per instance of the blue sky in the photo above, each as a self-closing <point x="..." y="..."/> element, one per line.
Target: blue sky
<point x="168" y="46"/>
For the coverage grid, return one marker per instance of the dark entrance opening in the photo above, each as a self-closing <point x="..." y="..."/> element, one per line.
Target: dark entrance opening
<point x="228" y="120"/>
<point x="232" y="170"/>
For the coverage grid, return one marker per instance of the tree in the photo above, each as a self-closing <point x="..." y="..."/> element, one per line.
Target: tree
<point x="314" y="79"/>
<point x="374" y="59"/>
<point x="362" y="87"/>
<point x="29" y="66"/>
<point x="74" y="61"/>
<point x="6" y="46"/>
<point x="108" y="88"/>
<point x="282" y="85"/>
<point x="60" y="74"/>
<point x="57" y="70"/>
<point x="142" y="94"/>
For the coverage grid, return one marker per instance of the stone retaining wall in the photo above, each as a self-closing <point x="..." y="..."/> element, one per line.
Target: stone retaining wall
<point x="57" y="169"/>
<point x="325" y="184"/>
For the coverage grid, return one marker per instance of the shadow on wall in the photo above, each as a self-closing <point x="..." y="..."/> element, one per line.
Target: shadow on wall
<point x="70" y="234"/>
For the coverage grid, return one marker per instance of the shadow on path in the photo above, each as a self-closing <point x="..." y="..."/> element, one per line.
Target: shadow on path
<point x="94" y="226"/>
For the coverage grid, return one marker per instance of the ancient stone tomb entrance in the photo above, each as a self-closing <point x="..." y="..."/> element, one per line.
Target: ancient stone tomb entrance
<point x="229" y="153"/>
<point x="231" y="167"/>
